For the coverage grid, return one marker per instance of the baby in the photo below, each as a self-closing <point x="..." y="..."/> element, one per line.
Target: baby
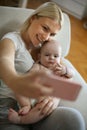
<point x="49" y="59"/>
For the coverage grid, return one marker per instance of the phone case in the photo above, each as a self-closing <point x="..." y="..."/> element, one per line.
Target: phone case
<point x="64" y="88"/>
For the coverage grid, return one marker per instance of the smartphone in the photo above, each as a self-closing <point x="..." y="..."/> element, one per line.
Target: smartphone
<point x="64" y="88"/>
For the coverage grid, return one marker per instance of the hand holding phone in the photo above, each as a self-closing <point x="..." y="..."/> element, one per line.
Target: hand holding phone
<point x="65" y="89"/>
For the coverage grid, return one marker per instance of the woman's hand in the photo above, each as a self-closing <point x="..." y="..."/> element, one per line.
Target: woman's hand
<point x="32" y="84"/>
<point x="44" y="107"/>
<point x="33" y="116"/>
<point x="48" y="104"/>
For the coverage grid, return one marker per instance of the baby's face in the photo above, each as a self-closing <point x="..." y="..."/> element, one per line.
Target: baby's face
<point x="50" y="54"/>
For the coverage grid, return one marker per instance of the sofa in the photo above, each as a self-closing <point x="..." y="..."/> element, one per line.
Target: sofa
<point x="10" y="20"/>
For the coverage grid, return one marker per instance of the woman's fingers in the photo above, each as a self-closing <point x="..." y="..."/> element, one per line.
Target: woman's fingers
<point x="47" y="108"/>
<point x="47" y="105"/>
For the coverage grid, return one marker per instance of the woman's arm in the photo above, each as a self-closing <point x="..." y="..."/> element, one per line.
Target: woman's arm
<point x="25" y="84"/>
<point x="7" y="53"/>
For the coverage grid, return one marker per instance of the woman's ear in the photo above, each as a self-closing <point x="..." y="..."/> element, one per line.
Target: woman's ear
<point x="33" y="18"/>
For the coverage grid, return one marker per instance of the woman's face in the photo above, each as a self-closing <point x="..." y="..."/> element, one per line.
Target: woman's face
<point x="42" y="29"/>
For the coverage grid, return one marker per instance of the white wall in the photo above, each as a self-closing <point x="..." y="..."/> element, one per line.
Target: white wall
<point x="77" y="8"/>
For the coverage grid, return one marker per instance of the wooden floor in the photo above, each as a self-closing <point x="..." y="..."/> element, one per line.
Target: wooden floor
<point x="78" y="49"/>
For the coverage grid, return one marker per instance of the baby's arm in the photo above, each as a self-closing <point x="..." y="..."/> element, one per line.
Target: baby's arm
<point x="69" y="72"/>
<point x="63" y="70"/>
<point x="24" y="103"/>
<point x="38" y="67"/>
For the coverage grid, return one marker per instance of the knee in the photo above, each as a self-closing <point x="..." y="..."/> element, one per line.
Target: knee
<point x="71" y="117"/>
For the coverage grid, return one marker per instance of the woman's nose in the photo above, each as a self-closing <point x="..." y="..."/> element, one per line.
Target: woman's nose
<point x="46" y="37"/>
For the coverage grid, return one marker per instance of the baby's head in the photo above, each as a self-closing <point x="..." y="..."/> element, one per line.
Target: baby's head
<point x="50" y="53"/>
<point x="52" y="46"/>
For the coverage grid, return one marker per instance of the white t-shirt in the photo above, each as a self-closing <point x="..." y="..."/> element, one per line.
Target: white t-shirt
<point x="23" y="61"/>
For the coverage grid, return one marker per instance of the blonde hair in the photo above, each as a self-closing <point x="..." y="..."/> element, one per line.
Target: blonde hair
<point x="48" y="9"/>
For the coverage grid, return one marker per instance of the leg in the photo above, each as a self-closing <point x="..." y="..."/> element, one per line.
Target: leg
<point x="5" y="105"/>
<point x="61" y="119"/>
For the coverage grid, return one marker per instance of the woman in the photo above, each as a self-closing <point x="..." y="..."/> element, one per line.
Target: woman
<point x="16" y="61"/>
<point x="49" y="59"/>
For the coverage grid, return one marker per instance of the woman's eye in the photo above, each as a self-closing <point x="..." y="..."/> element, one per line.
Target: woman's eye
<point x="52" y="34"/>
<point x="45" y="28"/>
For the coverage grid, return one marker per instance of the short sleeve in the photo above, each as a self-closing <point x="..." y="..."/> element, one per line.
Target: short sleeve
<point x="13" y="37"/>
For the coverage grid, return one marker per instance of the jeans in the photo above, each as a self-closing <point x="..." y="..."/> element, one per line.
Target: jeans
<point x="62" y="118"/>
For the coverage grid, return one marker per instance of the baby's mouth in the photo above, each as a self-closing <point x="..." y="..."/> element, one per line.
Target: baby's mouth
<point x="51" y="62"/>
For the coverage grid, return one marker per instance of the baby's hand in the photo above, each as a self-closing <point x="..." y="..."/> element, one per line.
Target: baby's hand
<point x="59" y="69"/>
<point x="24" y="110"/>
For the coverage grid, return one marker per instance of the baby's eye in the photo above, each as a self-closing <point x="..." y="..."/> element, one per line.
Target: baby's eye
<point x="46" y="54"/>
<point x="55" y="56"/>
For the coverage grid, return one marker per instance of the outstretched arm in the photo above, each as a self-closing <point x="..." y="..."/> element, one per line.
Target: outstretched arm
<point x="20" y="83"/>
